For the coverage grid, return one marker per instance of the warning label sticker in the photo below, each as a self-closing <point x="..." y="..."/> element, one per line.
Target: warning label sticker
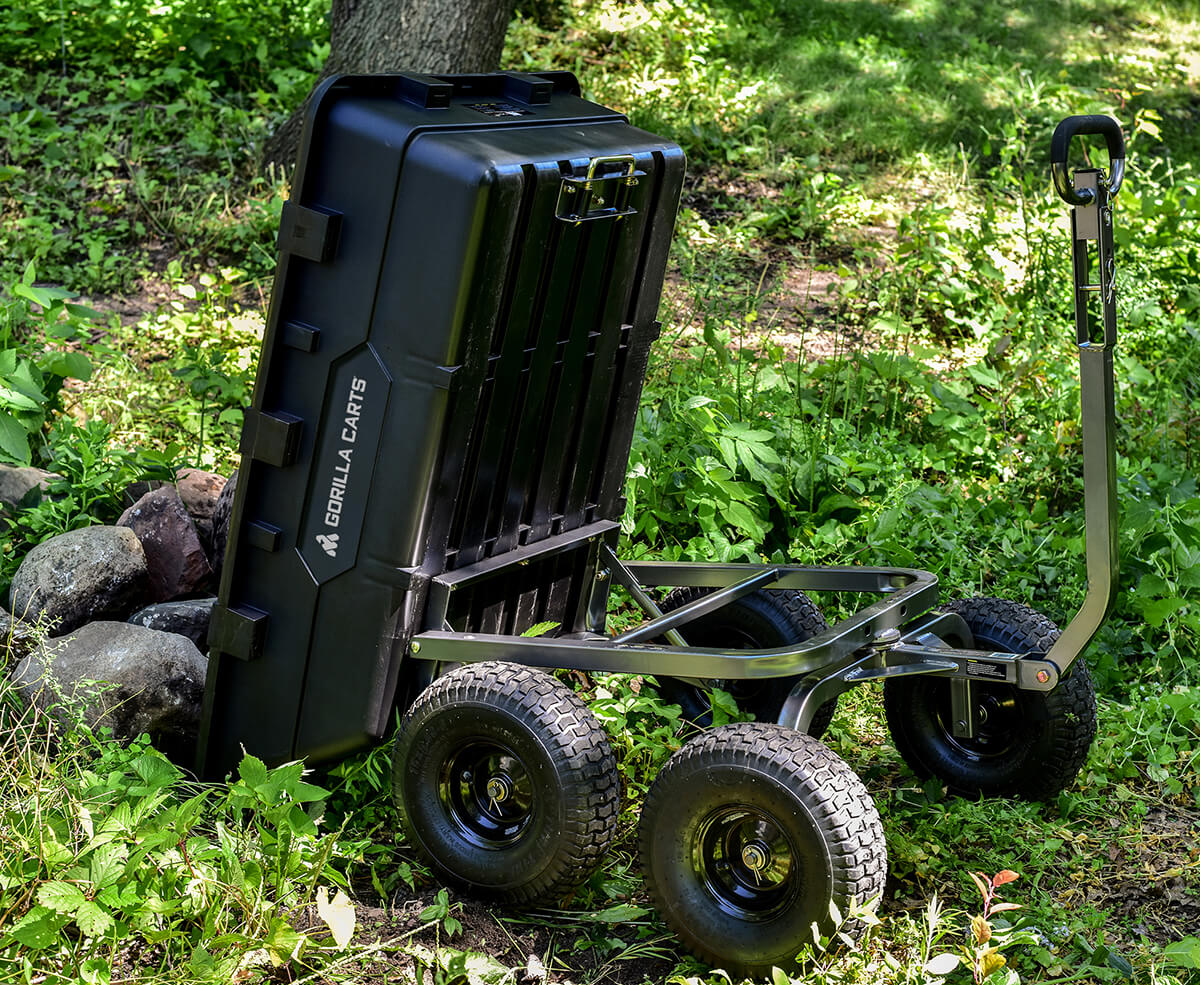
<point x="994" y="671"/>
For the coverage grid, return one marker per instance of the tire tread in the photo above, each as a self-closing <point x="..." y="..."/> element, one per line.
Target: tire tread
<point x="840" y="805"/>
<point x="1071" y="706"/>
<point x="577" y="744"/>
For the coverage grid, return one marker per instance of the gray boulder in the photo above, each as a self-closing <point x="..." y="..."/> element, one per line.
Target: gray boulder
<point x="221" y="515"/>
<point x="156" y="683"/>
<point x="177" y="563"/>
<point x="18" y="484"/>
<point x="189" y="618"/>
<point x="199" y="492"/>
<point x="79" y="576"/>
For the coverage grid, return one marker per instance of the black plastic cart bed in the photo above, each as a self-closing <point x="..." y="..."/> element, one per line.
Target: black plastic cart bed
<point x="469" y="272"/>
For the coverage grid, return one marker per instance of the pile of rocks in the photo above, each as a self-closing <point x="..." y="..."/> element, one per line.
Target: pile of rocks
<point x="127" y="605"/>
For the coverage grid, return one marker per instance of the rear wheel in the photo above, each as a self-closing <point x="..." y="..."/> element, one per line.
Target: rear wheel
<point x="506" y="783"/>
<point x="748" y="834"/>
<point x="759" y="621"/>
<point x="1028" y="743"/>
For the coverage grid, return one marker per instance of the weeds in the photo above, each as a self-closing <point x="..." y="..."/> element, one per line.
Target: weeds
<point x="896" y="150"/>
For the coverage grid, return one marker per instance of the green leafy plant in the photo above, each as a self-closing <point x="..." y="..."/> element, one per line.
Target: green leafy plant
<point x="38" y="327"/>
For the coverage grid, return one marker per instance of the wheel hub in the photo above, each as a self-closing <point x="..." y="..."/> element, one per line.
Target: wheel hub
<point x="747" y="862"/>
<point x="499" y="788"/>
<point x="756" y="856"/>
<point x="488" y="794"/>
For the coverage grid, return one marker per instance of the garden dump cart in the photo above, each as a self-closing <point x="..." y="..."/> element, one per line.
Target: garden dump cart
<point x="469" y="272"/>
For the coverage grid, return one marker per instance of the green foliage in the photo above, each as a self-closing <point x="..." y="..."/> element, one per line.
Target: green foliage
<point x="90" y="479"/>
<point x="39" y="329"/>
<point x="107" y="846"/>
<point x="642" y="728"/>
<point x="895" y="155"/>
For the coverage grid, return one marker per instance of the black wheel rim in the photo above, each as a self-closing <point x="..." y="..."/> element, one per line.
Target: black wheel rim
<point x="747" y="862"/>
<point x="1000" y="722"/>
<point x="487" y="793"/>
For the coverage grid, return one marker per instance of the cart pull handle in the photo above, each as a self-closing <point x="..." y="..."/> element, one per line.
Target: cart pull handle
<point x="1060" y="144"/>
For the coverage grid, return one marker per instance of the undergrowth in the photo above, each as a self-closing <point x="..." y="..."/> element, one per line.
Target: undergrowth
<point x="867" y="358"/>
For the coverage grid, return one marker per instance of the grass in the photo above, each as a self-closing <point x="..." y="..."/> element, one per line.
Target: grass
<point x="868" y="258"/>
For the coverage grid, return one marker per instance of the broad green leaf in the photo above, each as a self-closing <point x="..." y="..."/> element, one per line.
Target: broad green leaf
<point x="68" y="364"/>
<point x="14" y="440"/>
<point x="23" y="378"/>
<point x="95" y="971"/>
<point x="299" y="821"/>
<point x="8" y="361"/>
<point x="156" y="770"/>
<point x="253" y="771"/>
<point x="306" y="793"/>
<point x="202" y="965"/>
<point x="741" y="517"/>
<point x="39" y="928"/>
<point x="17" y="400"/>
<point x="1158" y="611"/>
<point x="93" y="920"/>
<point x="1183" y="953"/>
<point x="621" y="913"/>
<point x="83" y="311"/>
<point x="338" y="914"/>
<point x="61" y="897"/>
<point x="284" y="943"/>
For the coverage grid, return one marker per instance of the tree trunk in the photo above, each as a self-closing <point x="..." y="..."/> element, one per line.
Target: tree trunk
<point x="429" y="36"/>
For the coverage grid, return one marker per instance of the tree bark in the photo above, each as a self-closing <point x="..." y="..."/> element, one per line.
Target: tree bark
<point x="428" y="36"/>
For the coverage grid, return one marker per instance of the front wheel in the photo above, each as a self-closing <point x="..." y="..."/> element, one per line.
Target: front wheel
<point x="1029" y="744"/>
<point x="748" y="834"/>
<point x="506" y="783"/>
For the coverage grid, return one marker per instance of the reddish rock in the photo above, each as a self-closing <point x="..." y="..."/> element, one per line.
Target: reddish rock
<point x="200" y="491"/>
<point x="174" y="556"/>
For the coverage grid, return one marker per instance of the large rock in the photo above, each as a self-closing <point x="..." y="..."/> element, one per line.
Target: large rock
<point x="157" y="682"/>
<point x="18" y="639"/>
<point x="18" y="485"/>
<point x="221" y="515"/>
<point x="189" y="618"/>
<point x="136" y="490"/>
<point x="200" y="491"/>
<point x="93" y="573"/>
<point x="177" y="563"/>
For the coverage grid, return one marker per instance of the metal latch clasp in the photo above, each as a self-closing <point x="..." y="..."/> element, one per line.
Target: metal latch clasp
<point x="597" y="195"/>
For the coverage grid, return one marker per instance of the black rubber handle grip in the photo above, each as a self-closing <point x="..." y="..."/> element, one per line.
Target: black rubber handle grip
<point x="1060" y="145"/>
<point x="1104" y="126"/>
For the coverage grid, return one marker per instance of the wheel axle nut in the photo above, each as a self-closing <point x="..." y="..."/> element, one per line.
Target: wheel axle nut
<point x="755" y="857"/>
<point x="497" y="789"/>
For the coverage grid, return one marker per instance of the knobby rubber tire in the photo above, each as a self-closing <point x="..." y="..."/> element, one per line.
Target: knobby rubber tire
<point x="759" y="621"/>
<point x="562" y="798"/>
<point x="1036" y="743"/>
<point x="792" y="791"/>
